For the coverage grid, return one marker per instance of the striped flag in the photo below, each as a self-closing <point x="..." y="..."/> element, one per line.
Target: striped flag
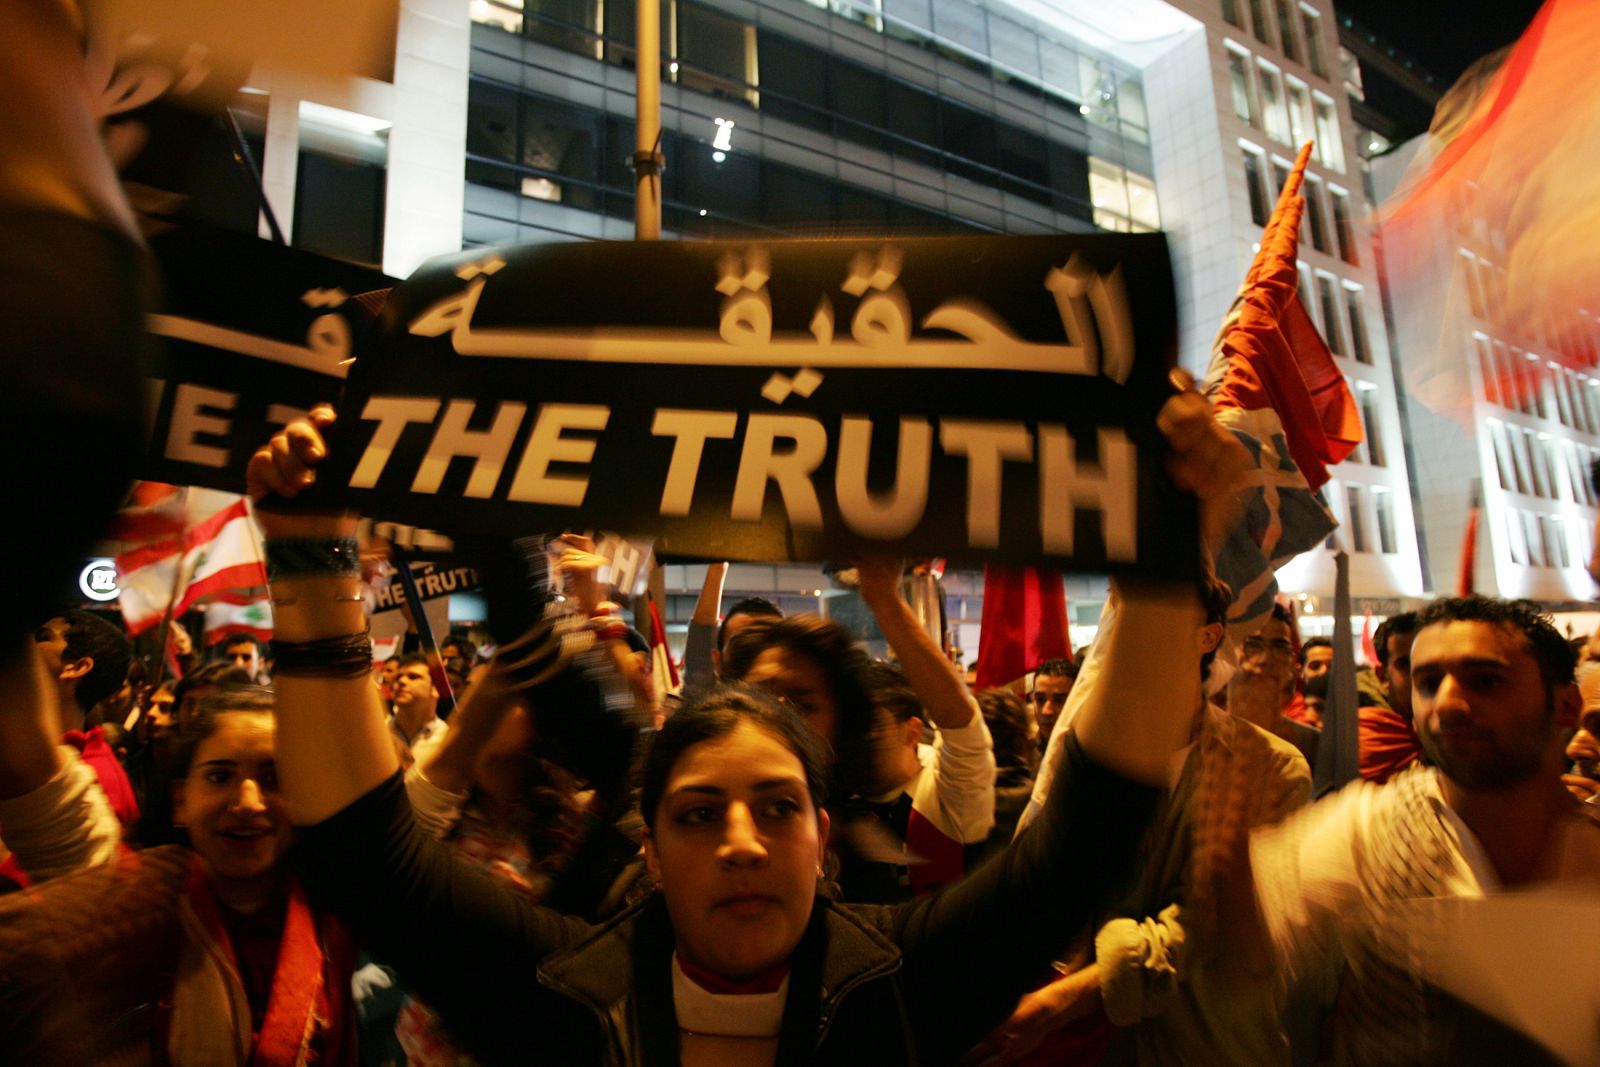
<point x="1274" y="383"/>
<point x="188" y="547"/>
<point x="225" y="620"/>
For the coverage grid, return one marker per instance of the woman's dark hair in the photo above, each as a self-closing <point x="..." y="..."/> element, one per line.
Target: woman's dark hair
<point x="249" y="699"/>
<point x="717" y="714"/>
<point x="1008" y="726"/>
<point x="844" y="666"/>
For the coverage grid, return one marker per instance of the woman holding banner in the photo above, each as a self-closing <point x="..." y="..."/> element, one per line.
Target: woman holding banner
<point x="736" y="957"/>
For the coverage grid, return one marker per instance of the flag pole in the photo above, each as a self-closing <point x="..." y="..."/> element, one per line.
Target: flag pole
<point x="647" y="160"/>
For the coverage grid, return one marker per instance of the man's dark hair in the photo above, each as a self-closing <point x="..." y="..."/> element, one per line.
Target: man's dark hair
<point x="755" y="606"/>
<point x="414" y="659"/>
<point x="1394" y="626"/>
<point x="717" y="714"/>
<point x="1314" y="642"/>
<point x="242" y="639"/>
<point x="88" y="635"/>
<point x="844" y="666"/>
<point x="892" y="693"/>
<point x="1555" y="657"/>
<point x="1216" y="597"/>
<point x="248" y="699"/>
<point x="219" y="675"/>
<point x="1057" y="668"/>
<point x="467" y="647"/>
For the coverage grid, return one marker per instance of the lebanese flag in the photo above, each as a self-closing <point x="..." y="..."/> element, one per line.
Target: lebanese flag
<point x="215" y="556"/>
<point x="663" y="673"/>
<point x="225" y="621"/>
<point x="1024" y="623"/>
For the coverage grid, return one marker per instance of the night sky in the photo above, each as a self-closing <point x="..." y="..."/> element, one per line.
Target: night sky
<point x="1443" y="36"/>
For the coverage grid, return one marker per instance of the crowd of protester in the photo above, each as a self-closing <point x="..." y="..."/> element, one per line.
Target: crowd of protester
<point x="287" y="855"/>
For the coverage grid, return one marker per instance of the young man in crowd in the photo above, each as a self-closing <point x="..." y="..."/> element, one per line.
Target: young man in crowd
<point x="244" y="652"/>
<point x="1052" y="684"/>
<point x="1349" y="886"/>
<point x="1263" y="688"/>
<point x="1386" y="737"/>
<point x="1316" y="658"/>
<point x="87" y="658"/>
<point x="710" y="631"/>
<point x="415" y="722"/>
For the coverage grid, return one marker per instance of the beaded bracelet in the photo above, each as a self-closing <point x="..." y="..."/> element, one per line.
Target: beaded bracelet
<point x="313" y="557"/>
<point x="343" y="656"/>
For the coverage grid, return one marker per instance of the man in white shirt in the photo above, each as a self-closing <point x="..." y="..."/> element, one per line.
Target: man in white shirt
<point x="1342" y="888"/>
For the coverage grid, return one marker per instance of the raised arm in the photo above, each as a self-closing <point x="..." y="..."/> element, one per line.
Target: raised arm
<point x="933" y="677"/>
<point x="54" y="815"/>
<point x="700" y="651"/>
<point x="333" y="742"/>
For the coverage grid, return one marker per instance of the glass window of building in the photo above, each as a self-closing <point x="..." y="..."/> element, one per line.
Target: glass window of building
<point x="506" y="14"/>
<point x="1311" y="23"/>
<point x="1239" y="78"/>
<point x="962" y="24"/>
<point x="1274" y="114"/>
<point x="1316" y="214"/>
<point x="1377" y="455"/>
<point x="856" y="96"/>
<point x="1358" y="454"/>
<point x="1328" y="297"/>
<point x="1356" y="509"/>
<point x="1258" y="21"/>
<point x="1330" y="149"/>
<point x="571" y="25"/>
<point x="1306" y="299"/>
<point x="561" y="141"/>
<point x="1383" y="509"/>
<point x="1558" y="537"/>
<point x="1541" y="477"/>
<point x="1280" y="178"/>
<point x="1131" y="108"/>
<point x="914" y="119"/>
<point x="1344" y="227"/>
<point x="716" y="54"/>
<point x="1230" y="12"/>
<point x="1286" y="29"/>
<point x="1254" y="177"/>
<point x="794" y="81"/>
<point x="1359" y="346"/>
<point x="1109" y="194"/>
<point x="1331" y="542"/>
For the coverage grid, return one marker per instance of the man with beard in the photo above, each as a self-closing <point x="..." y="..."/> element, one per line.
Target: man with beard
<point x="1340" y="887"/>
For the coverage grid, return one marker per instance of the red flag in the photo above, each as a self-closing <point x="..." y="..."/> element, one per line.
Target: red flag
<point x="188" y="548"/>
<point x="658" y="644"/>
<point x="1024" y="623"/>
<point x="1369" y="650"/>
<point x="1466" y="578"/>
<point x="1268" y="353"/>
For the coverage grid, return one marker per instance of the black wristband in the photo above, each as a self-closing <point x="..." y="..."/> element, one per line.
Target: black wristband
<point x="345" y="656"/>
<point x="313" y="557"/>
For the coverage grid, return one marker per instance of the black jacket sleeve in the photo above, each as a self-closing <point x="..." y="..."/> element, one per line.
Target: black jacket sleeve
<point x="973" y="949"/>
<point x="464" y="943"/>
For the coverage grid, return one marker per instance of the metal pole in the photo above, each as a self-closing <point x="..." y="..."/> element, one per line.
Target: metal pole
<point x="647" y="161"/>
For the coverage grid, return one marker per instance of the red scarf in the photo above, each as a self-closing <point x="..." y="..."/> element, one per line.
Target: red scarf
<point x="767" y="981"/>
<point x="299" y="997"/>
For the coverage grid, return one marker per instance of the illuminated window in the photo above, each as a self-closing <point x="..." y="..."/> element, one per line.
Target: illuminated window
<point x="1123" y="201"/>
<point x="1275" y="115"/>
<point x="1329" y="300"/>
<point x="1239" y="78"/>
<point x="716" y="54"/>
<point x="1258" y="19"/>
<point x="1329" y="147"/>
<point x="1316" y="216"/>
<point x="506" y="14"/>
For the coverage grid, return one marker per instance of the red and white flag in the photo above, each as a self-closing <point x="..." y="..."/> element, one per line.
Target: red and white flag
<point x="225" y="620"/>
<point x="185" y="547"/>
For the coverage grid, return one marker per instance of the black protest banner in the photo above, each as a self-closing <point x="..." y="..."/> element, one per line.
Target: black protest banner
<point x="253" y="333"/>
<point x="975" y="398"/>
<point x="433" y="581"/>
